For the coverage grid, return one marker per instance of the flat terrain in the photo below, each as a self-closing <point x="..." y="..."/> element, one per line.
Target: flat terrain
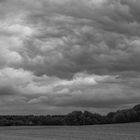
<point x="97" y="132"/>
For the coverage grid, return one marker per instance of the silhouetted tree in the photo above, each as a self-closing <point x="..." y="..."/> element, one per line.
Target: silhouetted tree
<point x="74" y="118"/>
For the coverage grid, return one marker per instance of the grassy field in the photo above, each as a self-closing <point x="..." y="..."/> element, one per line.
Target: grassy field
<point x="97" y="132"/>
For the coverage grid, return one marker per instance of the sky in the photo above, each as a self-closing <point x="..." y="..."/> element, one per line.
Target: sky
<point x="57" y="56"/>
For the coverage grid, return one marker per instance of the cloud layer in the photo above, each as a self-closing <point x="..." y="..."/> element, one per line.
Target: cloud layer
<point x="56" y="56"/>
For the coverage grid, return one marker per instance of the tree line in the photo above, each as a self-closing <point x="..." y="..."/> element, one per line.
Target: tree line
<point x="74" y="118"/>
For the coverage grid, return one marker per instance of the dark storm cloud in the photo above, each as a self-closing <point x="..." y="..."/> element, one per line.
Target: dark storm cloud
<point x="4" y="91"/>
<point x="103" y="39"/>
<point x="74" y="53"/>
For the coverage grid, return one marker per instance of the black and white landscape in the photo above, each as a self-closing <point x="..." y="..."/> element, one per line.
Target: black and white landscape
<point x="60" y="56"/>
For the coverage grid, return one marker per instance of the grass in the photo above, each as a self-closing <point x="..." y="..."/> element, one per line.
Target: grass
<point x="97" y="132"/>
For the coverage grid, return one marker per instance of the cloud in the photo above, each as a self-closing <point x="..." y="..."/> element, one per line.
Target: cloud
<point x="82" y="53"/>
<point x="82" y="91"/>
<point x="64" y="41"/>
<point x="104" y="92"/>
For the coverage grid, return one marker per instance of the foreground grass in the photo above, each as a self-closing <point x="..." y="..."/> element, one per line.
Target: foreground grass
<point x="102" y="132"/>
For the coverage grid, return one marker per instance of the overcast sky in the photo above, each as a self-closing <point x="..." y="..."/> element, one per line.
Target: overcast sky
<point x="62" y="55"/>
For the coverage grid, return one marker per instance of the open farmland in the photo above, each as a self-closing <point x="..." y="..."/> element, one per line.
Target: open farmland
<point x="97" y="132"/>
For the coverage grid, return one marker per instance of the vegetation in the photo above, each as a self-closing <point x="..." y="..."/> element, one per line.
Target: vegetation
<point x="74" y="118"/>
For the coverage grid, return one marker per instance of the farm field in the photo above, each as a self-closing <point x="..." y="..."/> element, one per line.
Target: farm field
<point x="97" y="132"/>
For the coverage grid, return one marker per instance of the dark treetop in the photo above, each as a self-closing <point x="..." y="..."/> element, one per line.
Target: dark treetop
<point x="74" y="118"/>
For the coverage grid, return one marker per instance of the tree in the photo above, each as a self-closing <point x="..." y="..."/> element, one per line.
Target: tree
<point x="74" y="118"/>
<point x="119" y="117"/>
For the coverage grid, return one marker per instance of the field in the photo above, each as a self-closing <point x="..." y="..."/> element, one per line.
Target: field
<point x="97" y="132"/>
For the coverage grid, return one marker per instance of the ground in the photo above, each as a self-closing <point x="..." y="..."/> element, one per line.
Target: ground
<point x="96" y="132"/>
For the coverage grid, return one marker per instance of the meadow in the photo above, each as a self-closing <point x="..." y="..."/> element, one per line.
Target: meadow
<point x="96" y="132"/>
